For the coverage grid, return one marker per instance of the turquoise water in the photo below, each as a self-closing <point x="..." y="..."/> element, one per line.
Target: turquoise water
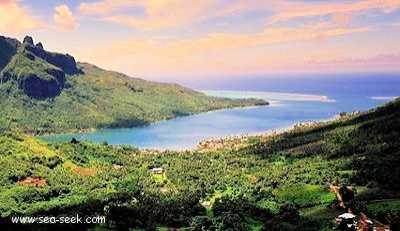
<point x="185" y="132"/>
<point x="294" y="99"/>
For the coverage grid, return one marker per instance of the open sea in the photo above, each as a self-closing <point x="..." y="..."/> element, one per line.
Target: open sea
<point x="294" y="98"/>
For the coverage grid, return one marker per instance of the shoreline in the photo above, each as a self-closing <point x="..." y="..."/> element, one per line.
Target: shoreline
<point x="194" y="147"/>
<point x="269" y="96"/>
<point x="271" y="103"/>
<point x="92" y="130"/>
<point x="229" y="138"/>
<point x="265" y="134"/>
<point x="88" y="130"/>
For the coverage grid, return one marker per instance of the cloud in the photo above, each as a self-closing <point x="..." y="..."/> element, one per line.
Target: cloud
<point x="341" y="18"/>
<point x="314" y="9"/>
<point x="167" y="13"/>
<point x="323" y="54"/>
<point x="216" y="52"/>
<point x="227" y="41"/>
<point x="16" y="18"/>
<point x="104" y="7"/>
<point x="64" y="17"/>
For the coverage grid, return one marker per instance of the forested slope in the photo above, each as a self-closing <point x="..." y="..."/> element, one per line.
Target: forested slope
<point x="268" y="182"/>
<point x="45" y="92"/>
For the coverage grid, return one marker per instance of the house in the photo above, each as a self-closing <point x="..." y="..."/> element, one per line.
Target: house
<point x="157" y="170"/>
<point x="33" y="181"/>
<point x="206" y="203"/>
<point x="117" y="167"/>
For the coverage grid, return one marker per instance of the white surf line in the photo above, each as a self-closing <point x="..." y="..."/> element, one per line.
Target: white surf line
<point x="386" y="98"/>
<point x="269" y="95"/>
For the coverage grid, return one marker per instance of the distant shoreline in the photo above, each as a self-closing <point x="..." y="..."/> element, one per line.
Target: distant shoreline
<point x="269" y="96"/>
<point x="201" y="145"/>
<point x="163" y="131"/>
<point x="92" y="130"/>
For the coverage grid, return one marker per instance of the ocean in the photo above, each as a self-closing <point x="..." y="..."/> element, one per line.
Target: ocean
<point x="294" y="98"/>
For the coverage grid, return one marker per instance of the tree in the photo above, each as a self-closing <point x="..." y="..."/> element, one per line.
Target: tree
<point x="346" y="193"/>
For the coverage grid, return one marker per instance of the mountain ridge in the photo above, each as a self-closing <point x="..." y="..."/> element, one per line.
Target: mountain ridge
<point x="45" y="92"/>
<point x="40" y="74"/>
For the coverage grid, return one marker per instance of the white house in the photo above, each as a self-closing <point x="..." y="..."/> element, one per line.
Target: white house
<point x="206" y="204"/>
<point x="158" y="170"/>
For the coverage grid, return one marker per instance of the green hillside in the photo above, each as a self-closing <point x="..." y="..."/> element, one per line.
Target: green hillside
<point x="45" y="92"/>
<point x="266" y="182"/>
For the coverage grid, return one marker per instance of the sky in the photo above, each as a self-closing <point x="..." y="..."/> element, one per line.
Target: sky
<point x="181" y="39"/>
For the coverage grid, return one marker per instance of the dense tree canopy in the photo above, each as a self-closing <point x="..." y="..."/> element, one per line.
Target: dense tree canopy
<point x="266" y="182"/>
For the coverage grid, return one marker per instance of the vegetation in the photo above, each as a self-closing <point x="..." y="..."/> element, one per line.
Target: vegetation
<point x="43" y="92"/>
<point x="297" y="180"/>
<point x="8" y="49"/>
<point x="267" y="182"/>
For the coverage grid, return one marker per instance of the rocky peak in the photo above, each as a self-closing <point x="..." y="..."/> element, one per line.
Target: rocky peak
<point x="40" y="45"/>
<point x="39" y="73"/>
<point x="65" y="62"/>
<point x="10" y="41"/>
<point x="28" y="40"/>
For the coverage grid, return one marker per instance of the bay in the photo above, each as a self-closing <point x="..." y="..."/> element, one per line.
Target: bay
<point x="314" y="100"/>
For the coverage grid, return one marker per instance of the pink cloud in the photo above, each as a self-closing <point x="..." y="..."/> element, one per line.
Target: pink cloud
<point x="104" y="7"/>
<point x="216" y="51"/>
<point x="64" y="17"/>
<point x="312" y="9"/>
<point x="16" y="18"/>
<point x="341" y="18"/>
<point x="219" y="51"/>
<point x="231" y="41"/>
<point x="167" y="13"/>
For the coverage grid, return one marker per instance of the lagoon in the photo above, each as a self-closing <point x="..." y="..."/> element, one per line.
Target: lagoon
<point x="294" y="99"/>
<point x="286" y="109"/>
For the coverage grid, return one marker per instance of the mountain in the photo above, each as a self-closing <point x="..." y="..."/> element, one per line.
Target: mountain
<point x="40" y="74"/>
<point x="8" y="48"/>
<point x="45" y="92"/>
<point x="265" y="182"/>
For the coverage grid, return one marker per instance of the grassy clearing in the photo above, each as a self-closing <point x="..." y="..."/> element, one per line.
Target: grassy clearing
<point x="383" y="206"/>
<point x="218" y="194"/>
<point x="159" y="178"/>
<point x="304" y="196"/>
<point x="320" y="212"/>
